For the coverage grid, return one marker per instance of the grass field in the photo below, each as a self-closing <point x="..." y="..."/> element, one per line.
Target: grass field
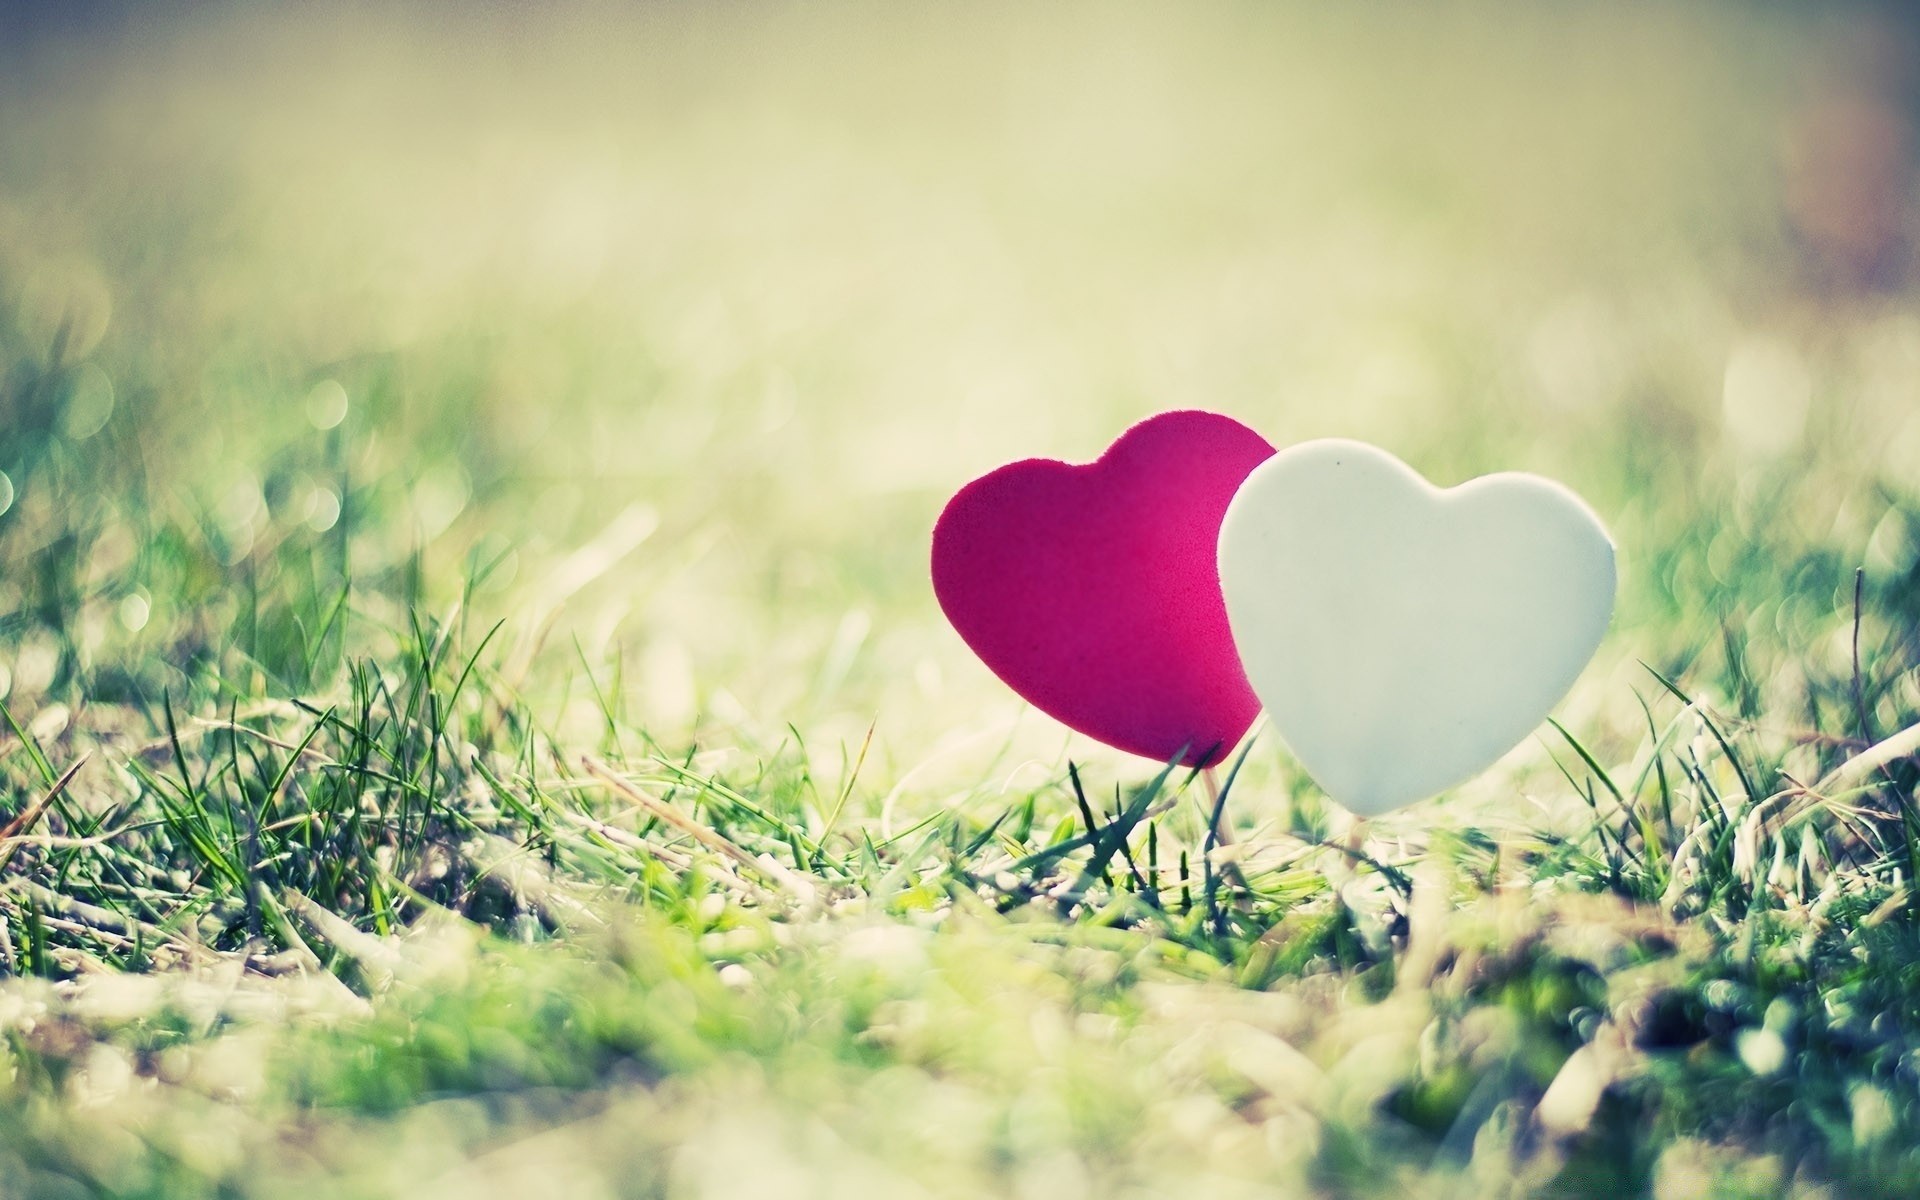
<point x="477" y="723"/>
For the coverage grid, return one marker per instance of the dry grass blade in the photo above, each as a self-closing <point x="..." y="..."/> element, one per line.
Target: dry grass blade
<point x="1853" y="772"/>
<point x="17" y="829"/>
<point x="111" y="926"/>
<point x="201" y="727"/>
<point x="381" y="962"/>
<point x="673" y="858"/>
<point x="532" y="884"/>
<point x="795" y="885"/>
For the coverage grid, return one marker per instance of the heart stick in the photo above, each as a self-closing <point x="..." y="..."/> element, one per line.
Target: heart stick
<point x="1093" y="590"/>
<point x="1216" y="811"/>
<point x="1219" y="833"/>
<point x="1403" y="637"/>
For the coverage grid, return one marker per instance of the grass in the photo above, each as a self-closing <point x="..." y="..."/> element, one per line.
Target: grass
<point x="474" y="717"/>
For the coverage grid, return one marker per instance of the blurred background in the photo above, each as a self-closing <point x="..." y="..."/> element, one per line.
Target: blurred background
<point x="661" y="333"/>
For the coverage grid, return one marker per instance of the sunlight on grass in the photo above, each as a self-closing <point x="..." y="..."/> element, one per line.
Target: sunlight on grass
<point x="476" y="717"/>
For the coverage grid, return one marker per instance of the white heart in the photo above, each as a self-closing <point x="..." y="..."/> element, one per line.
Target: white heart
<point x="1402" y="636"/>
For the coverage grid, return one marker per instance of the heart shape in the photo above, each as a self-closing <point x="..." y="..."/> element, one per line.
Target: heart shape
<point x="1093" y="591"/>
<point x="1404" y="637"/>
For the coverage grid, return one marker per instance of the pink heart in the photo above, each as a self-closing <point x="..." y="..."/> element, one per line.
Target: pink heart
<point x="1094" y="590"/>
